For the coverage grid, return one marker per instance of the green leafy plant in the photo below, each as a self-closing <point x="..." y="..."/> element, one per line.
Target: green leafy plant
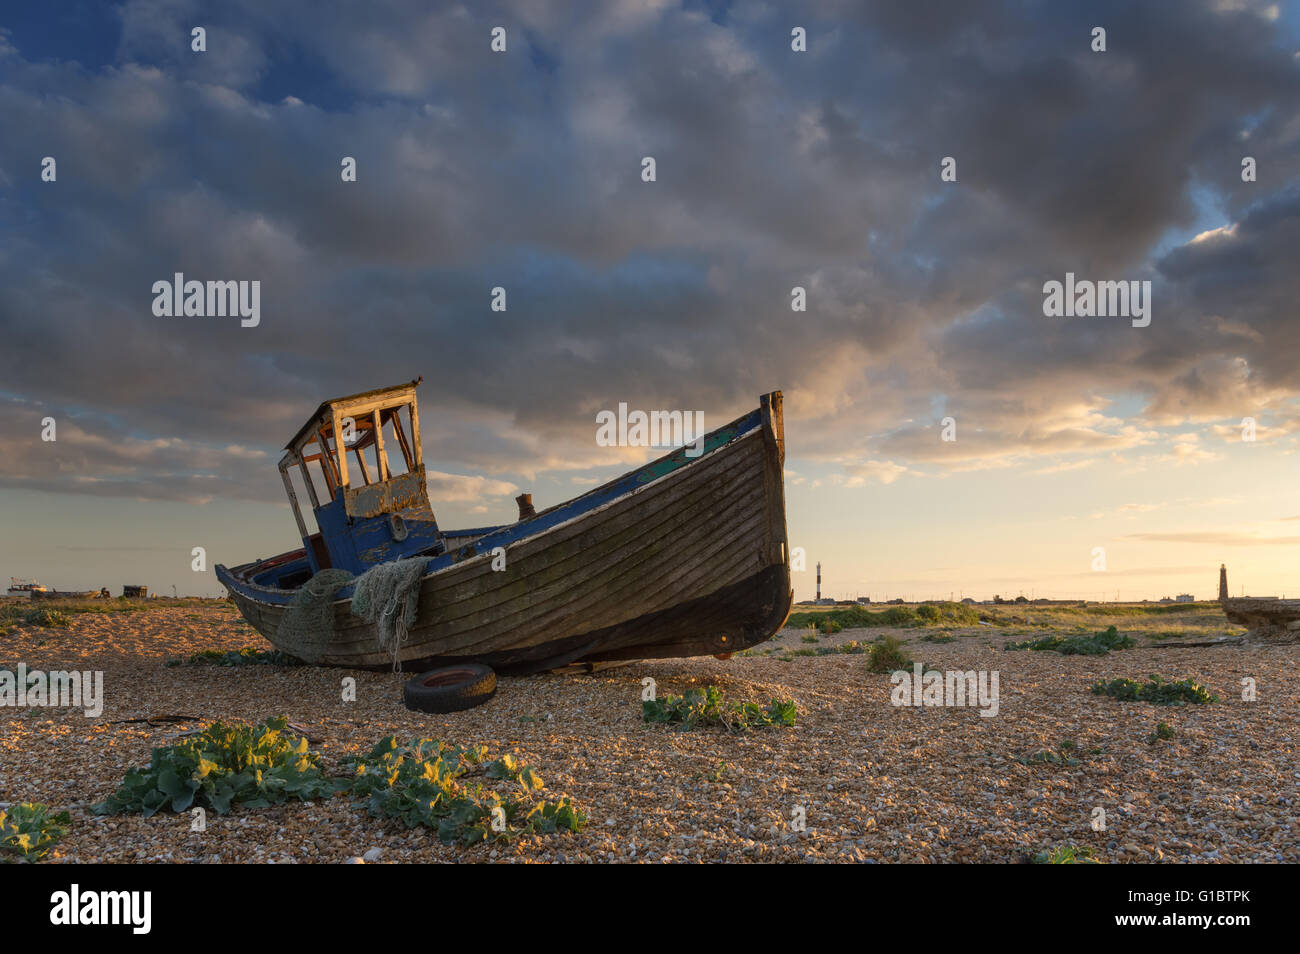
<point x="29" y="830"/>
<point x="887" y="656"/>
<point x="1096" y="645"/>
<point x="46" y="617"/>
<point x="850" y="648"/>
<point x="1065" y="855"/>
<point x="426" y="782"/>
<point x="715" y="774"/>
<point x="809" y="637"/>
<point x="701" y="707"/>
<point x="255" y="766"/>
<point x="1065" y="754"/>
<point x="1156" y="690"/>
<point x="1164" y="731"/>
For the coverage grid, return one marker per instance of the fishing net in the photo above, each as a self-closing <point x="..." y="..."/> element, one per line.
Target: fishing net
<point x="387" y="596"/>
<point x="308" y="624"/>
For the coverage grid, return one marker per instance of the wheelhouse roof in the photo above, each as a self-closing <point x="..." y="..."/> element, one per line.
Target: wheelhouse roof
<point x="397" y="394"/>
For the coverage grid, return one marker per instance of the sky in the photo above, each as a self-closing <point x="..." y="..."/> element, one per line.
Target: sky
<point x="774" y="169"/>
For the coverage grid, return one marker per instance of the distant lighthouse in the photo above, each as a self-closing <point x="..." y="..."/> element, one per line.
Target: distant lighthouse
<point x="1223" y="582"/>
<point x="819" y="581"/>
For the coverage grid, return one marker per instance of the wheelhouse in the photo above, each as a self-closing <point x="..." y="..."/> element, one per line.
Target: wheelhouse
<point x="359" y="460"/>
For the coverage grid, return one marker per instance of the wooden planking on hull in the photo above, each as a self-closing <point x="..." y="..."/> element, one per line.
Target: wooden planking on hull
<point x="570" y="623"/>
<point x="746" y="613"/>
<point x="576" y="588"/>
<point x="719" y="560"/>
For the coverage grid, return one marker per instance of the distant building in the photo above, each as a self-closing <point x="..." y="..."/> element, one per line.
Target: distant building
<point x="1184" y="598"/>
<point x="864" y="600"/>
<point x="1223" y="582"/>
<point x="1165" y="599"/>
<point x="968" y="601"/>
<point x="825" y="601"/>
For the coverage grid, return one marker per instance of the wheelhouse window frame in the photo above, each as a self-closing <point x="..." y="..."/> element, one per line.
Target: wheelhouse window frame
<point x="321" y="439"/>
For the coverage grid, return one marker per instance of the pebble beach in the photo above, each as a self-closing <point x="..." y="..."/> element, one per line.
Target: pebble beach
<point x="857" y="779"/>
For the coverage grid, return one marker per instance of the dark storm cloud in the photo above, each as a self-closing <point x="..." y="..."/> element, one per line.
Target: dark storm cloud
<point x="775" y="169"/>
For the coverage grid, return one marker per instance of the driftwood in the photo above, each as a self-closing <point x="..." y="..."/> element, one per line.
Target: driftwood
<point x="156" y="721"/>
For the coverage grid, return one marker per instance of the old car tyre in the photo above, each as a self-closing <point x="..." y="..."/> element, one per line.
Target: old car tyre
<point x="450" y="689"/>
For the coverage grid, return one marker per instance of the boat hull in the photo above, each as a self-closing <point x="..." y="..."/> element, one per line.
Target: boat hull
<point x="683" y="557"/>
<point x="64" y="594"/>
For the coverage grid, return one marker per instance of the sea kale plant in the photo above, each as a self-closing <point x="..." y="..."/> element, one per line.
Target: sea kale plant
<point x="1065" y="855"/>
<point x="1156" y="690"/>
<point x="255" y="766"/>
<point x="29" y="830"/>
<point x="706" y="707"/>
<point x="454" y="791"/>
<point x="1097" y="645"/>
<point x="451" y="789"/>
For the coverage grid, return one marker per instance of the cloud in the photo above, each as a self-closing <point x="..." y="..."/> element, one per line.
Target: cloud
<point x="453" y="488"/>
<point x="1216" y="538"/>
<point x="882" y="471"/>
<point x="522" y="170"/>
<point x="1064" y="467"/>
<point x="97" y="456"/>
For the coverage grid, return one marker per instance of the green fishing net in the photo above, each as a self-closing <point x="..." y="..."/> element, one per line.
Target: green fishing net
<point x="308" y="624"/>
<point x="388" y="596"/>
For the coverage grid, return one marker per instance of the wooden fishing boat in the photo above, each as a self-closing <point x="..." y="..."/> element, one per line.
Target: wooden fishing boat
<point x="685" y="556"/>
<point x="43" y="594"/>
